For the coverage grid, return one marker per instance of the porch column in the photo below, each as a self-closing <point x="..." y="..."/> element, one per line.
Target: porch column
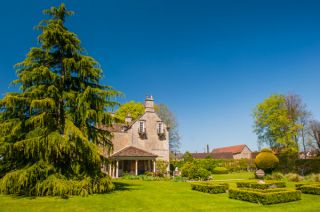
<point x="154" y="166"/>
<point x="110" y="173"/>
<point x="117" y="169"/>
<point x="136" y="167"/>
<point x="149" y="166"/>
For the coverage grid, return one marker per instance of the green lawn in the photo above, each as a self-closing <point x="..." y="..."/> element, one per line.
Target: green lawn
<point x="154" y="196"/>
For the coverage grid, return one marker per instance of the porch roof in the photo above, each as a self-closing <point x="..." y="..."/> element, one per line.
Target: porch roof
<point x="133" y="152"/>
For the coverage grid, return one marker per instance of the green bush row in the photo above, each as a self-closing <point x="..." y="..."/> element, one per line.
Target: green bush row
<point x="311" y="189"/>
<point x="256" y="185"/>
<point x="265" y="197"/>
<point x="300" y="185"/>
<point x="212" y="188"/>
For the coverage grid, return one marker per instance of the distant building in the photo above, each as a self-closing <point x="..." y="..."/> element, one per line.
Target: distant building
<point x="137" y="144"/>
<point x="238" y="151"/>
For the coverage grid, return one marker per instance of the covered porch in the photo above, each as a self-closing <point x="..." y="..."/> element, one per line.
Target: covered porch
<point x="133" y="161"/>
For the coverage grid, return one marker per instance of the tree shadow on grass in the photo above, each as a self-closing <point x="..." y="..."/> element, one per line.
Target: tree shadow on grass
<point x="119" y="186"/>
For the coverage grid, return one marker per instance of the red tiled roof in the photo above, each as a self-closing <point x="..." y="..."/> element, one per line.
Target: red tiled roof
<point x="131" y="151"/>
<point x="222" y="155"/>
<point x="234" y="149"/>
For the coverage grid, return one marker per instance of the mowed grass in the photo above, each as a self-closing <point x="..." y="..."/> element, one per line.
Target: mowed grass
<point x="155" y="196"/>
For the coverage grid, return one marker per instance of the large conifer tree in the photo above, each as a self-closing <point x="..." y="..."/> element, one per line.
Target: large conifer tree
<point x="49" y="140"/>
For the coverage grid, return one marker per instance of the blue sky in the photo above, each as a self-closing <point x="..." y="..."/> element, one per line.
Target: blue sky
<point x="210" y="61"/>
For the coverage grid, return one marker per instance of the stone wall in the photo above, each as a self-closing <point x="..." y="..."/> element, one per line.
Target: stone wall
<point x="246" y="153"/>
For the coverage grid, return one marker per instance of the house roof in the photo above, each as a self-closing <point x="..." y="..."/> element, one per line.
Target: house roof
<point x="222" y="155"/>
<point x="132" y="151"/>
<point x="234" y="149"/>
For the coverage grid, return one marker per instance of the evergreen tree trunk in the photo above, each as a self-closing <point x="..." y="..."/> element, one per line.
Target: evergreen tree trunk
<point x="49" y="139"/>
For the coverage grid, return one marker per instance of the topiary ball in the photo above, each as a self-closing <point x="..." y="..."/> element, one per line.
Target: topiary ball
<point x="266" y="161"/>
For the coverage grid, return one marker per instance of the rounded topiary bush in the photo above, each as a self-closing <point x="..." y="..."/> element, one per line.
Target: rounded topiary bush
<point x="266" y="161"/>
<point x="220" y="170"/>
<point x="194" y="172"/>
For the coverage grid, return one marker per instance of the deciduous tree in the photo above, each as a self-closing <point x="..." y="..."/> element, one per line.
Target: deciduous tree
<point x="132" y="109"/>
<point x="170" y="120"/>
<point x="275" y="124"/>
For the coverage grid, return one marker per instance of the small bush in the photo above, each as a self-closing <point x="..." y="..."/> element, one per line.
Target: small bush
<point x="314" y="177"/>
<point x="257" y="185"/>
<point x="275" y="176"/>
<point x="266" y="160"/>
<point x="211" y="188"/>
<point x="162" y="168"/>
<point x="220" y="170"/>
<point x="292" y="177"/>
<point x="193" y="172"/>
<point x="265" y="197"/>
<point x="201" y="174"/>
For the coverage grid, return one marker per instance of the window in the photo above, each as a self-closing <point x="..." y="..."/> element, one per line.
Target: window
<point x="142" y="127"/>
<point x="160" y="128"/>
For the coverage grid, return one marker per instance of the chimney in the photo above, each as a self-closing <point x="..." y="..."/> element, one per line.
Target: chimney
<point x="208" y="151"/>
<point x="128" y="118"/>
<point x="149" y="104"/>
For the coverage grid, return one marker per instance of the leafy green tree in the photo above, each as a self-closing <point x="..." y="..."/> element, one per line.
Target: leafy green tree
<point x="274" y="124"/>
<point x="132" y="109"/>
<point x="49" y="135"/>
<point x="187" y="157"/>
<point x="170" y="120"/>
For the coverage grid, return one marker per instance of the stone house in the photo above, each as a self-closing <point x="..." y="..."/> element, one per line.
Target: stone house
<point x="238" y="151"/>
<point x="138" y="144"/>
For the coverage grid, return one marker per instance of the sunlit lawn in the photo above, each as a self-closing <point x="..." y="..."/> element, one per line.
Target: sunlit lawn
<point x="155" y="196"/>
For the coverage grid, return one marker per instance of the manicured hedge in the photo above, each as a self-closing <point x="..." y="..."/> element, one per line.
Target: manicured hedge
<point x="256" y="185"/>
<point x="266" y="196"/>
<point x="300" y="185"/>
<point x="309" y="189"/>
<point x="212" y="188"/>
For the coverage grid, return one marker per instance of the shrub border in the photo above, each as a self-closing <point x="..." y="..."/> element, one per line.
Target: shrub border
<point x="211" y="188"/>
<point x="257" y="185"/>
<point x="266" y="196"/>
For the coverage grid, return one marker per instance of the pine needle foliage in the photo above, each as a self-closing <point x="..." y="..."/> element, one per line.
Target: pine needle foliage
<point x="49" y="139"/>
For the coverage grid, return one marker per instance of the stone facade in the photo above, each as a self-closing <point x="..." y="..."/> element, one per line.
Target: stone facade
<point x="245" y="153"/>
<point x="147" y="133"/>
<point x="151" y="142"/>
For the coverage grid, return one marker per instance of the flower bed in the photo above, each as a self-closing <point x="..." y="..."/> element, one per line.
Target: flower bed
<point x="212" y="188"/>
<point x="265" y="196"/>
<point x="257" y="185"/>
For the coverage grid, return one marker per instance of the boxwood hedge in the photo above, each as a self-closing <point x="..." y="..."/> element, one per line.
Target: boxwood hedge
<point x="266" y="196"/>
<point x="257" y="185"/>
<point x="310" y="189"/>
<point x="300" y="185"/>
<point x="212" y="188"/>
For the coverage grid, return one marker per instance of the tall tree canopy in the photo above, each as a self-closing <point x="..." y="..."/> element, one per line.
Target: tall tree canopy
<point x="132" y="109"/>
<point x="276" y="122"/>
<point x="49" y="140"/>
